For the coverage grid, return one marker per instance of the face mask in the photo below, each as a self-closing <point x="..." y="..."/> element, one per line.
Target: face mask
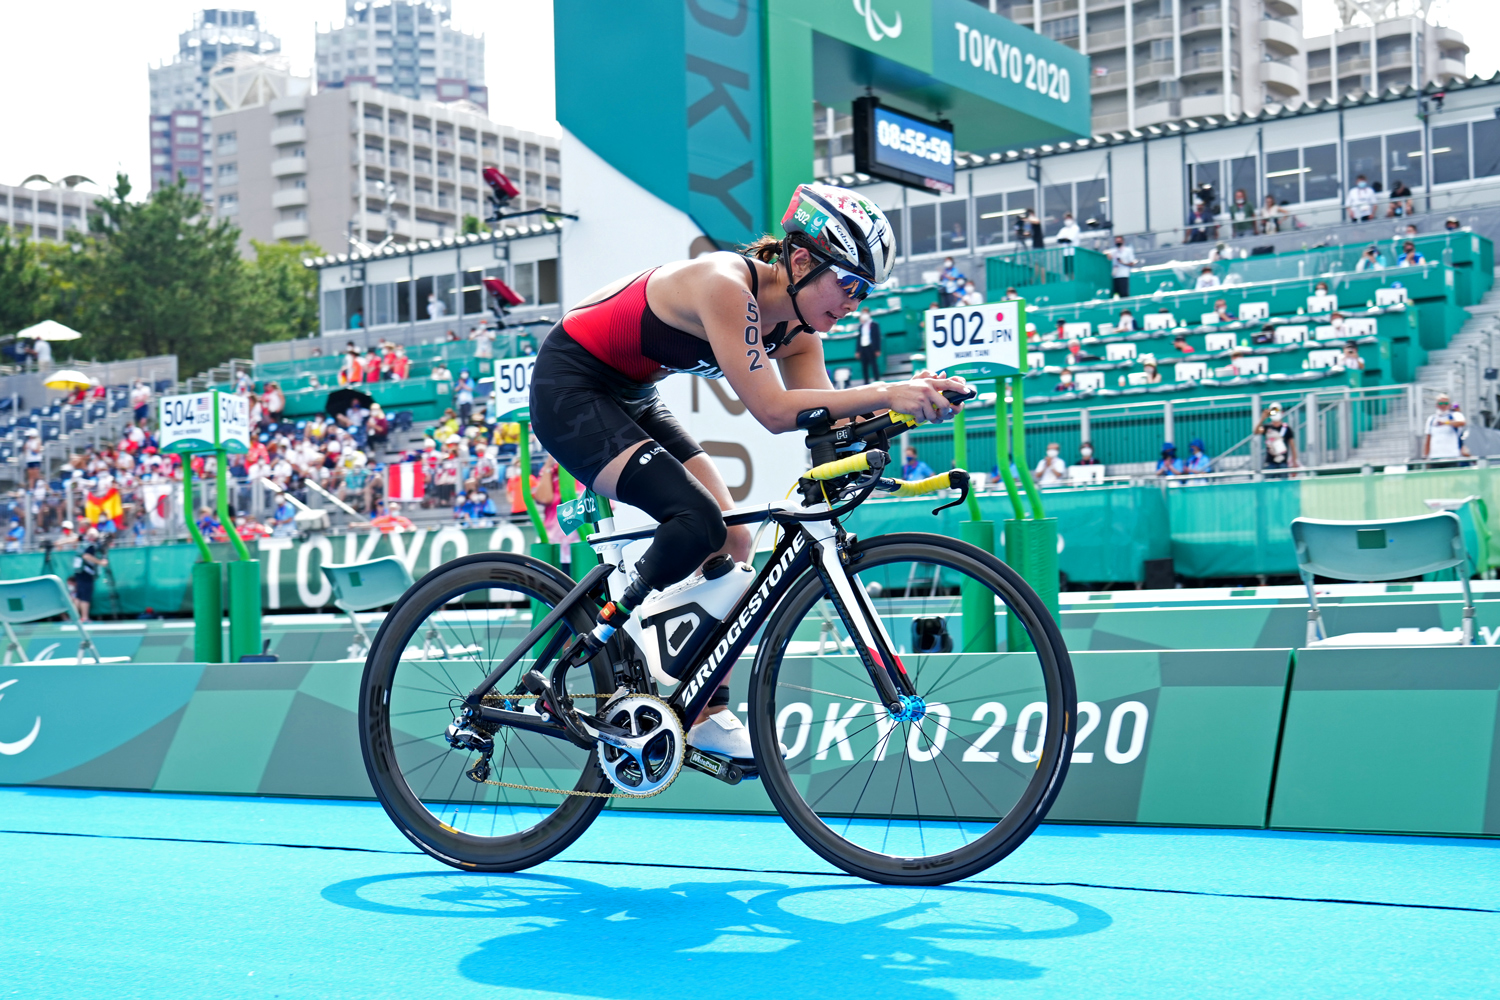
<point x="1363" y="184"/>
<point x="1051" y="452"/>
<point x="1087" y="452"/>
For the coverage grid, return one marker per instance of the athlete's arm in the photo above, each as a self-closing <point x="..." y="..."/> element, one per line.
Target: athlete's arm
<point x="734" y="328"/>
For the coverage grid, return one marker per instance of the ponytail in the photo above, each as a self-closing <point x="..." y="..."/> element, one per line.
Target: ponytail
<point x="764" y="249"/>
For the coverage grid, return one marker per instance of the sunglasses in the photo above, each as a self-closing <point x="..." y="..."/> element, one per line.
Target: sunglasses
<point x="852" y="284"/>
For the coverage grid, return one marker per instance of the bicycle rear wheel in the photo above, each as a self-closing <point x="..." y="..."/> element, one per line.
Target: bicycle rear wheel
<point x="925" y="801"/>
<point x="439" y="641"/>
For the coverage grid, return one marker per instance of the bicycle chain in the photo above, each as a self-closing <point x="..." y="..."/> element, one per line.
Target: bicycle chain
<point x="573" y="791"/>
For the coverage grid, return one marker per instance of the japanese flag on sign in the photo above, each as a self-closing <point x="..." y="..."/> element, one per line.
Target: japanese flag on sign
<point x="405" y="481"/>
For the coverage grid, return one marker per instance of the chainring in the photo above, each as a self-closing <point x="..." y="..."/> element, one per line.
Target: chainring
<point x="653" y="752"/>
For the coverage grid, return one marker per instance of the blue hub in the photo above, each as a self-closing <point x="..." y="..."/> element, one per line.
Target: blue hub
<point x="913" y="709"/>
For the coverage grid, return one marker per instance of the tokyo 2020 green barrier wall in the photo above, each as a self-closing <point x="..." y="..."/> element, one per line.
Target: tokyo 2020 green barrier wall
<point x="1372" y="740"/>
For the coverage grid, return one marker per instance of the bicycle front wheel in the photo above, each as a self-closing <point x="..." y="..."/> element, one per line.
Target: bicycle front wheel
<point x="439" y="641"/>
<point x="930" y="800"/>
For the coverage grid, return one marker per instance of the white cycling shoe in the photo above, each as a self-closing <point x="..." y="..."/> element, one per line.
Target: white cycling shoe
<point x="722" y="733"/>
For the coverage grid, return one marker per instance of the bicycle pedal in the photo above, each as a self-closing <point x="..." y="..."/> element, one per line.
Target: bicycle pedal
<point x="726" y="771"/>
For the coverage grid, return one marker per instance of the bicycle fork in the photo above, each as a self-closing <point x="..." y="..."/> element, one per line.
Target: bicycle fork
<point x="857" y="611"/>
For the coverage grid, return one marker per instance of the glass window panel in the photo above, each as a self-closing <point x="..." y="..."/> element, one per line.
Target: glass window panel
<point x="1056" y="200"/>
<point x="1403" y="159"/>
<point x="424" y="289"/>
<point x="1092" y="199"/>
<point x="954" y="233"/>
<point x="442" y="287"/>
<point x="1242" y="178"/>
<point x="473" y="293"/>
<point x="923" y="228"/>
<point x="1450" y="153"/>
<point x="991" y="224"/>
<point x="1321" y="178"/>
<point x="1362" y="156"/>
<point x="1487" y="147"/>
<point x="524" y="283"/>
<point x="896" y="220"/>
<point x="1284" y="177"/>
<point x="403" y="301"/>
<point x="546" y="281"/>
<point x="382" y="304"/>
<point x="333" y="310"/>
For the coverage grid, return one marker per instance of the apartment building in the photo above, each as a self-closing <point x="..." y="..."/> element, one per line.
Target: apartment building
<point x="182" y="98"/>
<point x="358" y="164"/>
<point x="406" y="47"/>
<point x="40" y="210"/>
<point x="1372" y="58"/>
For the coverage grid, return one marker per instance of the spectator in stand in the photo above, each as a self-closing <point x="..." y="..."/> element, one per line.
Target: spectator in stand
<point x="972" y="295"/>
<point x="1076" y="353"/>
<point x="463" y="395"/>
<point x="400" y="363"/>
<point x="1351" y="358"/>
<point x="1086" y="454"/>
<point x="1065" y="382"/>
<point x="1032" y="229"/>
<point x="913" y="468"/>
<point x="1360" y="201"/>
<point x="451" y="337"/>
<point x="370" y="367"/>
<point x="1242" y="214"/>
<point x="1451" y="224"/>
<point x="449" y="471"/>
<point x="1068" y="233"/>
<point x="351" y="371"/>
<point x="1207" y="279"/>
<point x="1197" y="461"/>
<point x="1180" y="344"/>
<point x="1221" y="312"/>
<point x="1126" y="323"/>
<point x="484" y="341"/>
<point x="436" y="307"/>
<point x="1281" y="441"/>
<point x="1010" y="292"/>
<point x="15" y="535"/>
<point x="1445" y="434"/>
<point x="1168" y="465"/>
<point x="440" y="372"/>
<point x="1200" y="222"/>
<point x="43" y="352"/>
<point x="1121" y="259"/>
<point x="31" y="452"/>
<point x="950" y="282"/>
<point x="867" y="347"/>
<point x="1150" y="370"/>
<point x="1410" y="255"/>
<point x="273" y="402"/>
<point x="1370" y="260"/>
<point x="1272" y="216"/>
<point x="377" y="426"/>
<point x="1401" y="200"/>
<point x="1051" y="470"/>
<point x="140" y="400"/>
<point x="388" y="518"/>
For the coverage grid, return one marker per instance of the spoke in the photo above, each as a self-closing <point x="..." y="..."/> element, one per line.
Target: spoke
<point x="833" y="694"/>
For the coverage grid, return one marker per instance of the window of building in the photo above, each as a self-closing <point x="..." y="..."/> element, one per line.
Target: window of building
<point x="227" y="143"/>
<point x="1242" y="178"/>
<point x="1057" y="199"/>
<point x="1321" y="179"/>
<point x="1486" y="141"/>
<point x="923" y="235"/>
<point x="229" y="173"/>
<point x="1403" y="159"/>
<point x="186" y="139"/>
<point x="896" y="218"/>
<point x="187" y="121"/>
<point x="229" y="204"/>
<point x="1450" y="153"/>
<point x="1362" y="157"/>
<point x="1090" y="201"/>
<point x="1284" y="176"/>
<point x="473" y="291"/>
<point x="953" y="225"/>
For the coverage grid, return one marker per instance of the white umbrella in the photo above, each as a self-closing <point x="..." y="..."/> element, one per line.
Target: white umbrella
<point x="49" y="329"/>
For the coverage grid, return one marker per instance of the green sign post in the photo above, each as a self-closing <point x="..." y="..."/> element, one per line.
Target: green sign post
<point x="217" y="424"/>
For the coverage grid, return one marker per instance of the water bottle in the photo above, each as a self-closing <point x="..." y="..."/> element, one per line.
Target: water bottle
<point x="676" y="622"/>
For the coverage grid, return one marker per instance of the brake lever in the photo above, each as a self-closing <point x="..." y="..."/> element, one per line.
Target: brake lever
<point x="959" y="477"/>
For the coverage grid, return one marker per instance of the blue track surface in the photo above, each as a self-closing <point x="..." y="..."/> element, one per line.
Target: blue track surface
<point x="115" y="895"/>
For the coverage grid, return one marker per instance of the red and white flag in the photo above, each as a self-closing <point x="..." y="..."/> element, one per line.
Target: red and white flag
<point x="405" y="481"/>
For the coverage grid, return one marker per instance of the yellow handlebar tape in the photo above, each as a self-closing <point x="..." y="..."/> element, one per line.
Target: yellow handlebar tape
<point x="931" y="484"/>
<point x="842" y="467"/>
<point x="903" y="418"/>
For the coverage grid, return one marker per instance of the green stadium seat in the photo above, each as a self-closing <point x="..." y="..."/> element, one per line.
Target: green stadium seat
<point x="1374" y="551"/>
<point x="365" y="585"/>
<point x="34" y="599"/>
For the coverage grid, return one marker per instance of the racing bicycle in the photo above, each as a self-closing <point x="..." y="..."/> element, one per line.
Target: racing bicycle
<point x="888" y="731"/>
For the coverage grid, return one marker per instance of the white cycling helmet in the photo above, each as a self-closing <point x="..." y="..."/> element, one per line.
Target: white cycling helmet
<point x="843" y="229"/>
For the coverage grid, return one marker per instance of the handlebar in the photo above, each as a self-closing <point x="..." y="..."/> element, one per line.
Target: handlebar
<point x="942" y="481"/>
<point x="862" y="462"/>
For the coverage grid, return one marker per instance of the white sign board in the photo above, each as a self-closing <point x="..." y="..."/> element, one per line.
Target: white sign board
<point x="976" y="341"/>
<point x="204" y="421"/>
<point x="513" y="388"/>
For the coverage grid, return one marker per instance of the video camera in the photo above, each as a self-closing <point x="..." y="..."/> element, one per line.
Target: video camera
<point x="502" y="192"/>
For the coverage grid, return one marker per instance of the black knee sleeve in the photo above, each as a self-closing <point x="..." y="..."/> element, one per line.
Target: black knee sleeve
<point x="691" y="524"/>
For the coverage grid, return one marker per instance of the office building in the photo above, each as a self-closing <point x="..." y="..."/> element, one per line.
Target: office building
<point x="42" y="210"/>
<point x="1407" y="52"/>
<point x="357" y="164"/>
<point x="406" y="47"/>
<point x="182" y="98"/>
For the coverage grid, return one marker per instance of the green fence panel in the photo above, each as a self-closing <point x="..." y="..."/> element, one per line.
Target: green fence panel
<point x="1234" y="529"/>
<point x="1391" y="740"/>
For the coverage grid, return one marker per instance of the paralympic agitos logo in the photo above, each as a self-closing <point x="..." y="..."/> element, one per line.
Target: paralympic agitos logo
<point x="877" y="28"/>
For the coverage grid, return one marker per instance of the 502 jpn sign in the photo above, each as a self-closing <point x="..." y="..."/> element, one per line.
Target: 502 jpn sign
<point x="976" y="341"/>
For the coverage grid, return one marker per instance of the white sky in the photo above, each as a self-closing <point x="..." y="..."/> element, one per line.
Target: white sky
<point x="79" y="97"/>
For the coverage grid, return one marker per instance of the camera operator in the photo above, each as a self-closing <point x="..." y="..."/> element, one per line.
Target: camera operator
<point x="90" y="560"/>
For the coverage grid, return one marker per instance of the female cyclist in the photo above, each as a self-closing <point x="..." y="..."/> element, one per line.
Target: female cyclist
<point x="595" y="408"/>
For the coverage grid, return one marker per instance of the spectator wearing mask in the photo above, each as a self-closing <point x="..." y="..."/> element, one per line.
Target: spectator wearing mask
<point x="400" y="363"/>
<point x="1351" y="358"/>
<point x="1370" y="260"/>
<point x="913" y="468"/>
<point x="463" y="395"/>
<point x="1401" y="200"/>
<point x="484" y="341"/>
<point x="1272" y="216"/>
<point x="1069" y="233"/>
<point x="1360" y="201"/>
<point x="140" y="400"/>
<point x="388" y="518"/>
<point x="1242" y="214"/>
<point x="1410" y="255"/>
<point x="1180" y="345"/>
<point x="1280" y="440"/>
<point x="1168" y="465"/>
<point x="1126" y="323"/>
<point x="1121" y="259"/>
<point x="1200" y="221"/>
<point x="1033" y="229"/>
<point x="1076" y="353"/>
<point x="436" y="307"/>
<point x="1207" y="279"/>
<point x="1065" y="382"/>
<point x="1197" y="460"/>
<point x="951" y="281"/>
<point x="972" y="295"/>
<point x="1086" y="455"/>
<point x="1445" y="433"/>
<point x="1452" y="224"/>
<point x="867" y="347"/>
<point x="1051" y="470"/>
<point x="1221" y="312"/>
<point x="15" y="535"/>
<point x="1149" y="368"/>
<point x="440" y="372"/>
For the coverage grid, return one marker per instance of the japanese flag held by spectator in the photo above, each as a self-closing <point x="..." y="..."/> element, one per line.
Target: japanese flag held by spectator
<point x="158" y="497"/>
<point x="405" y="481"/>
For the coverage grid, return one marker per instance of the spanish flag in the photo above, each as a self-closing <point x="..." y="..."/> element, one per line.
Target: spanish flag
<point x="107" y="507"/>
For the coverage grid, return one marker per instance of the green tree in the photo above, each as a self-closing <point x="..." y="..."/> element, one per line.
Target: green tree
<point x="282" y="302"/>
<point x="472" y="226"/>
<point x="162" y="277"/>
<point x="26" y="285"/>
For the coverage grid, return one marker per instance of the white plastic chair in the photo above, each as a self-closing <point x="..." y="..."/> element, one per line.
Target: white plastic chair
<point x="1374" y="551"/>
<point x="32" y="600"/>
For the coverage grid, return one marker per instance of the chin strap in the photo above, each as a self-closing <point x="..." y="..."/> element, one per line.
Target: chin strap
<point x="794" y="286"/>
